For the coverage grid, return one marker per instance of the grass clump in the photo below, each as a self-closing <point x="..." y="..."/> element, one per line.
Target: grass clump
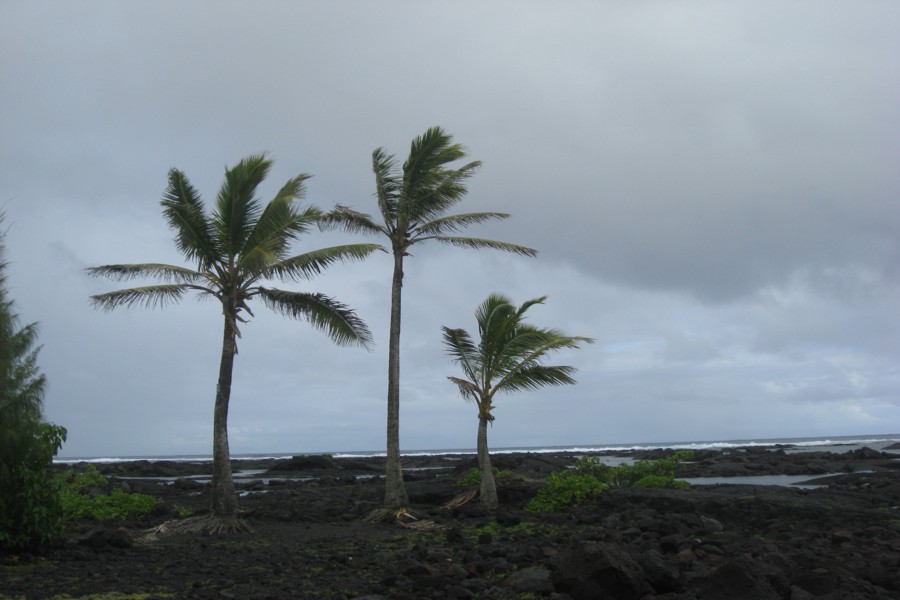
<point x="590" y="477"/>
<point x="85" y="495"/>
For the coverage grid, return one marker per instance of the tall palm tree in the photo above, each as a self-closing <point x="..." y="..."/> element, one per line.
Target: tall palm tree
<point x="413" y="203"/>
<point x="508" y="358"/>
<point x="235" y="249"/>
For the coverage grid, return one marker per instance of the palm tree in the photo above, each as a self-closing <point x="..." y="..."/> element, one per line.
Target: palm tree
<point x="508" y="358"/>
<point x="235" y="249"/>
<point x="413" y="203"/>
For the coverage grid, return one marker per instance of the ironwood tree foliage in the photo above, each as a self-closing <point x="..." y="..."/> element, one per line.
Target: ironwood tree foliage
<point x="30" y="510"/>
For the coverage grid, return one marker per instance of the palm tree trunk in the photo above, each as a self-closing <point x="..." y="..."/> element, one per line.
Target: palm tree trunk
<point x="488" y="491"/>
<point x="394" y="492"/>
<point x="224" y="499"/>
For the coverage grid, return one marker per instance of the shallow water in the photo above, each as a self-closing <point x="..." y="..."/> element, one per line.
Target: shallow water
<point x="798" y="481"/>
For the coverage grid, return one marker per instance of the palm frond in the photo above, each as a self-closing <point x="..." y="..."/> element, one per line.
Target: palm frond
<point x="293" y="189"/>
<point x="447" y="187"/>
<point x="185" y="214"/>
<point x="510" y="351"/>
<point x="268" y="243"/>
<point x="462" y="349"/>
<point x="478" y="243"/>
<point x="280" y="220"/>
<point x="429" y="187"/>
<point x="525" y="351"/>
<point x="387" y="185"/>
<point x="304" y="266"/>
<point x="151" y="296"/>
<point x="138" y="271"/>
<point x="237" y="209"/>
<point x="347" y="219"/>
<point x="528" y="304"/>
<point x="336" y="319"/>
<point x="453" y="223"/>
<point x="428" y="153"/>
<point x="467" y="389"/>
<point x="536" y="377"/>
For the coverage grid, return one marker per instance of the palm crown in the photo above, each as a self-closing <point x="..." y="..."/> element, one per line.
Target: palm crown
<point x="237" y="247"/>
<point x="413" y="201"/>
<point x="510" y="354"/>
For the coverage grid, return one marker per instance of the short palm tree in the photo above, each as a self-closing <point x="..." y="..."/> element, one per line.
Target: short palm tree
<point x="234" y="250"/>
<point x="508" y="358"/>
<point x="413" y="202"/>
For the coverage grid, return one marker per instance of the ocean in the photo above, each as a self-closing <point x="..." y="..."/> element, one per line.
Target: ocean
<point x="807" y="444"/>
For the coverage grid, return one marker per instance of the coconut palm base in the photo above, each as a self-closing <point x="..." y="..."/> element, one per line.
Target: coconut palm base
<point x="206" y="525"/>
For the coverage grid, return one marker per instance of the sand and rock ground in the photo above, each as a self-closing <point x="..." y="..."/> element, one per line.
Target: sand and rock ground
<point x="311" y="539"/>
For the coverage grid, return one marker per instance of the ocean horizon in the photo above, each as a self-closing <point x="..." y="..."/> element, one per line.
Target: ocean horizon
<point x="842" y="443"/>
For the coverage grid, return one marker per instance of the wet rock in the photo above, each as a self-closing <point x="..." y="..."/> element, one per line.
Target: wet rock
<point x="305" y="463"/>
<point x="841" y="536"/>
<point x="185" y="484"/>
<point x="737" y="580"/>
<point x="711" y="525"/>
<point x="662" y="575"/>
<point x="100" y="535"/>
<point x="597" y="570"/>
<point x="866" y="453"/>
<point x="532" y="580"/>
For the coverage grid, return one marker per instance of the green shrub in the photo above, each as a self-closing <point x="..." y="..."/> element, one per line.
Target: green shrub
<point x="30" y="506"/>
<point x="564" y="489"/>
<point x="660" y="481"/>
<point x="625" y="475"/>
<point x="591" y="465"/>
<point x="115" y="504"/>
<point x="590" y="476"/>
<point x="473" y="476"/>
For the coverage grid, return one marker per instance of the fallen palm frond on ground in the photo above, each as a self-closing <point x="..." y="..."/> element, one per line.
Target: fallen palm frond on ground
<point x="401" y="517"/>
<point x="204" y="525"/>
<point x="461" y="499"/>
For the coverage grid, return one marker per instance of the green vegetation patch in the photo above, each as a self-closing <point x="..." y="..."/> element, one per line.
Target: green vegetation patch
<point x="591" y="477"/>
<point x="473" y="476"/>
<point x="79" y="500"/>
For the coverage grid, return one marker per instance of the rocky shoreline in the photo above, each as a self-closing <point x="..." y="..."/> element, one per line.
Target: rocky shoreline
<point x="837" y="540"/>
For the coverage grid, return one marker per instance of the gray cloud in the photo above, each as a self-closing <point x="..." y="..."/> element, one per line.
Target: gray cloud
<point x="711" y="186"/>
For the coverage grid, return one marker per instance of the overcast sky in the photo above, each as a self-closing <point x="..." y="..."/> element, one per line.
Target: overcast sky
<point x="713" y="188"/>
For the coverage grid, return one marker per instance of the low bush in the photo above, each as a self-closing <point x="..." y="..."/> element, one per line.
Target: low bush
<point x="660" y="481"/>
<point x="564" y="489"/>
<point x="590" y="477"/>
<point x="85" y="495"/>
<point x="473" y="476"/>
<point x="30" y="501"/>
